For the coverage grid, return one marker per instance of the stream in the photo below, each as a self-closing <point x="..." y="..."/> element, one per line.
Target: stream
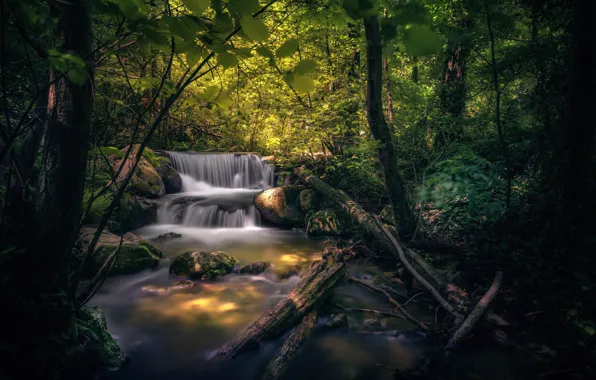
<point x="170" y="331"/>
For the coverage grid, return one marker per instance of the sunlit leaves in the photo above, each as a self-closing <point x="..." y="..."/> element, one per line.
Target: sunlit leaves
<point x="193" y="51"/>
<point x="420" y="40"/>
<point x="264" y="52"/>
<point x="302" y="83"/>
<point x="131" y="9"/>
<point x="254" y="28"/>
<point x="197" y="7"/>
<point x="244" y="8"/>
<point x="226" y="59"/>
<point x="223" y="23"/>
<point x="287" y="49"/>
<point x="305" y="67"/>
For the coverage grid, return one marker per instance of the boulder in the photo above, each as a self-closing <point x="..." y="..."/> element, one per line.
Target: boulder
<point x="288" y="271"/>
<point x="337" y="321"/>
<point x="135" y="254"/>
<point x="133" y="212"/>
<point x="386" y="215"/>
<point x="170" y="177"/>
<point x="255" y="268"/>
<point x="145" y="182"/>
<point x="281" y="205"/>
<point x="202" y="265"/>
<point x="325" y="223"/>
<point x="102" y="348"/>
<point x="309" y="200"/>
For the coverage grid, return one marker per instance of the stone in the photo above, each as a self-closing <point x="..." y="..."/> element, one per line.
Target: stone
<point x="337" y="321"/>
<point x="202" y="265"/>
<point x="255" y="268"/>
<point x="104" y="351"/>
<point x="145" y="182"/>
<point x="170" y="177"/>
<point x="169" y="235"/>
<point x="135" y="254"/>
<point x="133" y="212"/>
<point x="281" y="205"/>
<point x="325" y="223"/>
<point x="309" y="200"/>
<point x="288" y="271"/>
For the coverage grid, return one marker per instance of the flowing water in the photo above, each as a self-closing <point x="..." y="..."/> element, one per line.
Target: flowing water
<point x="170" y="332"/>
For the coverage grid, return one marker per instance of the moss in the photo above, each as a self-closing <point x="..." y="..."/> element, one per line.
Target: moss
<point x="104" y="351"/>
<point x="325" y="223"/>
<point x="203" y="265"/>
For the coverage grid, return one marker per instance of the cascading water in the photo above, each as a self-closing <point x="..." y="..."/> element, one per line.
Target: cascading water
<point x="217" y="190"/>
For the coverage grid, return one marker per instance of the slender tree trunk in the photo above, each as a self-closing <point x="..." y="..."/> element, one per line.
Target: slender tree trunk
<point x="498" y="121"/>
<point x="404" y="219"/>
<point x="415" y="72"/>
<point x="390" y="116"/>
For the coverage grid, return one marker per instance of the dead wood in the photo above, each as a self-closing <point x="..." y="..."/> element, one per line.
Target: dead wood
<point x="314" y="287"/>
<point x="279" y="364"/>
<point x="477" y="312"/>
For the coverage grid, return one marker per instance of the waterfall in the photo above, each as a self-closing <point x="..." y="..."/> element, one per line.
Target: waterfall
<point x="217" y="190"/>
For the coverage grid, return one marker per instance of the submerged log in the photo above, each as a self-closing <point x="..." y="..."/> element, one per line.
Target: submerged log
<point x="455" y="296"/>
<point x="278" y="365"/>
<point x="315" y="285"/>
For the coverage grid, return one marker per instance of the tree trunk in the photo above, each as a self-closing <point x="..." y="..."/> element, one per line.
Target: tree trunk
<point x="390" y="116"/>
<point x="282" y="358"/>
<point x="404" y="219"/>
<point x="312" y="288"/>
<point x="44" y="323"/>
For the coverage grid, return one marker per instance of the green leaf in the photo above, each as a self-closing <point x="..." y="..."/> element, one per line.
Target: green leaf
<point x="58" y="63"/>
<point x="264" y="52"/>
<point x="590" y="330"/>
<point x="193" y="51"/>
<point x="243" y="7"/>
<point x="223" y="23"/>
<point x="306" y="66"/>
<point x="77" y="76"/>
<point x="287" y="49"/>
<point x="211" y="93"/>
<point x="420" y="40"/>
<point x="227" y="59"/>
<point x="197" y="7"/>
<point x="254" y="28"/>
<point x="303" y="83"/>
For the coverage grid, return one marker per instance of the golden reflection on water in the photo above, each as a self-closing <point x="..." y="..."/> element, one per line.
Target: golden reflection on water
<point x="227" y="305"/>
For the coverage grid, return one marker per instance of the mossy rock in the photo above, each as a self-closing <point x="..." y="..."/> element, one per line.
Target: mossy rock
<point x="257" y="267"/>
<point x="132" y="213"/>
<point x="102" y="349"/>
<point x="145" y="182"/>
<point x="281" y="205"/>
<point x="309" y="200"/>
<point x="325" y="223"/>
<point x="386" y="215"/>
<point x="135" y="254"/>
<point x="202" y="265"/>
<point x="170" y="177"/>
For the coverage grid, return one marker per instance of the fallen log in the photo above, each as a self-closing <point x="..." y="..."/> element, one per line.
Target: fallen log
<point x="316" y="284"/>
<point x="278" y="365"/>
<point x="453" y="294"/>
<point x="477" y="312"/>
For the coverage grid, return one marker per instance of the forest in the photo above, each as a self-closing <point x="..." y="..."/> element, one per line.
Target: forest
<point x="290" y="189"/>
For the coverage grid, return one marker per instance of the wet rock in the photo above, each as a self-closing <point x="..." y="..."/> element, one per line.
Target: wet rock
<point x="255" y="268"/>
<point x="170" y="177"/>
<point x="169" y="235"/>
<point x="325" y="223"/>
<point x="202" y="265"/>
<point x="281" y="205"/>
<point x="135" y="254"/>
<point x="386" y="215"/>
<point x="182" y="285"/>
<point x="373" y="322"/>
<point x="309" y="200"/>
<point x="288" y="271"/>
<point x="102" y="348"/>
<point x="133" y="212"/>
<point x="145" y="182"/>
<point x="337" y="321"/>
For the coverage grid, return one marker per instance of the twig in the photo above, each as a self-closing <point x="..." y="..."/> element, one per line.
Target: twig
<point x="409" y="316"/>
<point x="368" y="311"/>
<point x="477" y="312"/>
